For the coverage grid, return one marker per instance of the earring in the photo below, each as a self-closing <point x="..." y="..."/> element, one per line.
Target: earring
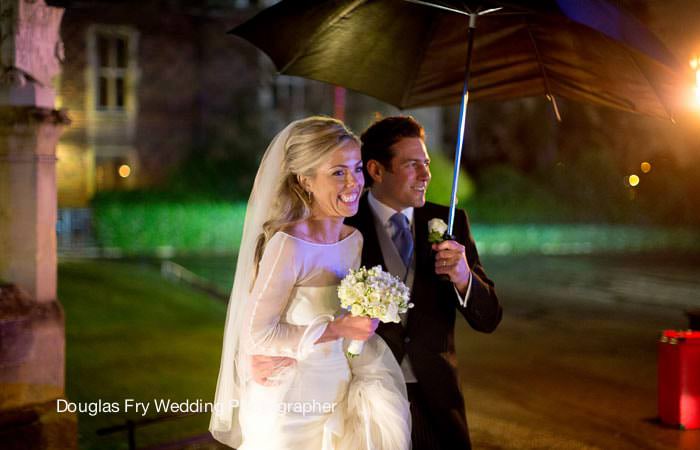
<point x="310" y="196"/>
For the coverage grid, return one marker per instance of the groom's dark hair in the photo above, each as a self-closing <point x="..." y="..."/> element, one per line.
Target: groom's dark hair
<point x="382" y="134"/>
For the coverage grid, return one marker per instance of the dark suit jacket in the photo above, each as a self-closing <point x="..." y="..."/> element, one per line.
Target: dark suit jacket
<point x="428" y="337"/>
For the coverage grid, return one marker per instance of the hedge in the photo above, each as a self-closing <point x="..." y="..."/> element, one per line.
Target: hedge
<point x="137" y="228"/>
<point x="181" y="228"/>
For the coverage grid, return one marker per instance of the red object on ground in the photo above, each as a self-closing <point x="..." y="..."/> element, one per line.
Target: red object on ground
<point x="679" y="378"/>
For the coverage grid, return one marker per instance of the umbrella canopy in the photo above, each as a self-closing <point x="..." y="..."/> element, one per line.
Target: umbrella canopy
<point x="412" y="55"/>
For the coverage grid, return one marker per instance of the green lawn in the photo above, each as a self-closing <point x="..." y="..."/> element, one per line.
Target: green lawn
<point x="132" y="334"/>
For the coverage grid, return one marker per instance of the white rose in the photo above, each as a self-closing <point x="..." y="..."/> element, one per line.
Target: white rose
<point x="437" y="225"/>
<point x="360" y="288"/>
<point x="393" y="312"/>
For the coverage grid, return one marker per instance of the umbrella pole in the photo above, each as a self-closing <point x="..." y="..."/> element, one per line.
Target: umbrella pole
<point x="462" y="123"/>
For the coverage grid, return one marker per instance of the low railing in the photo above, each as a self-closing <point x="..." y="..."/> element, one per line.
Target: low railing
<point x="174" y="271"/>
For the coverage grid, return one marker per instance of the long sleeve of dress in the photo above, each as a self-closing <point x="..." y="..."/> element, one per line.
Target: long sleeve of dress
<point x="278" y="273"/>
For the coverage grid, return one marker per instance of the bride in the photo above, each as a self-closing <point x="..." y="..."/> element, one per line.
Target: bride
<point x="284" y="310"/>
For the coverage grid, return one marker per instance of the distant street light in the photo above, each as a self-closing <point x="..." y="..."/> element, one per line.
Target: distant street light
<point x="646" y="167"/>
<point x="124" y="171"/>
<point x="633" y="180"/>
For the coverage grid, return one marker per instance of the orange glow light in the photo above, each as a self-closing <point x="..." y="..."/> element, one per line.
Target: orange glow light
<point x="124" y="171"/>
<point x="646" y="167"/>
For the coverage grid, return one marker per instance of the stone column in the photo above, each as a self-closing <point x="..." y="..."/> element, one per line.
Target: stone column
<point x="28" y="138"/>
<point x="32" y="334"/>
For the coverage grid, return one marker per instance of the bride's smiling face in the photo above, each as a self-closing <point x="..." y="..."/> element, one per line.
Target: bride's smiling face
<point x="337" y="184"/>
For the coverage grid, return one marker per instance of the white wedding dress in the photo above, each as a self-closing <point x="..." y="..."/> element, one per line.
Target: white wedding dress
<point x="325" y="401"/>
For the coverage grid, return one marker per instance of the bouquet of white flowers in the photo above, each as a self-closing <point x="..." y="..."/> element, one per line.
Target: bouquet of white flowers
<point x="373" y="293"/>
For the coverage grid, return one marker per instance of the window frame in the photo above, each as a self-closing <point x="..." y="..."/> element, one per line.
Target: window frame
<point x="98" y="70"/>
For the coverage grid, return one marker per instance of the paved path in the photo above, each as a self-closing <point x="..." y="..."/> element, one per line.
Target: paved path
<point x="573" y="364"/>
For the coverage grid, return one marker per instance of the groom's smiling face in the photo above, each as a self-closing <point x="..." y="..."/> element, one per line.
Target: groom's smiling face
<point x="404" y="183"/>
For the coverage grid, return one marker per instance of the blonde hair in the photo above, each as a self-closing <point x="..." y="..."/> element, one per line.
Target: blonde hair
<point x="309" y="142"/>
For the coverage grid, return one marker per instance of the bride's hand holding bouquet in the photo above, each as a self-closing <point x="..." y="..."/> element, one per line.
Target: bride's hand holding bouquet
<point x="374" y="294"/>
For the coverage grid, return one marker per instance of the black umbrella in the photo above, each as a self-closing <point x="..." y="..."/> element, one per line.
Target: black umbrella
<point x="412" y="53"/>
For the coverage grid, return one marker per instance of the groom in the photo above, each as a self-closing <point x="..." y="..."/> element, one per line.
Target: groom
<point x="393" y="218"/>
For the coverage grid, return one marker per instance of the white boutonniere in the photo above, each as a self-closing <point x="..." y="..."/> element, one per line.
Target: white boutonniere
<point x="436" y="230"/>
